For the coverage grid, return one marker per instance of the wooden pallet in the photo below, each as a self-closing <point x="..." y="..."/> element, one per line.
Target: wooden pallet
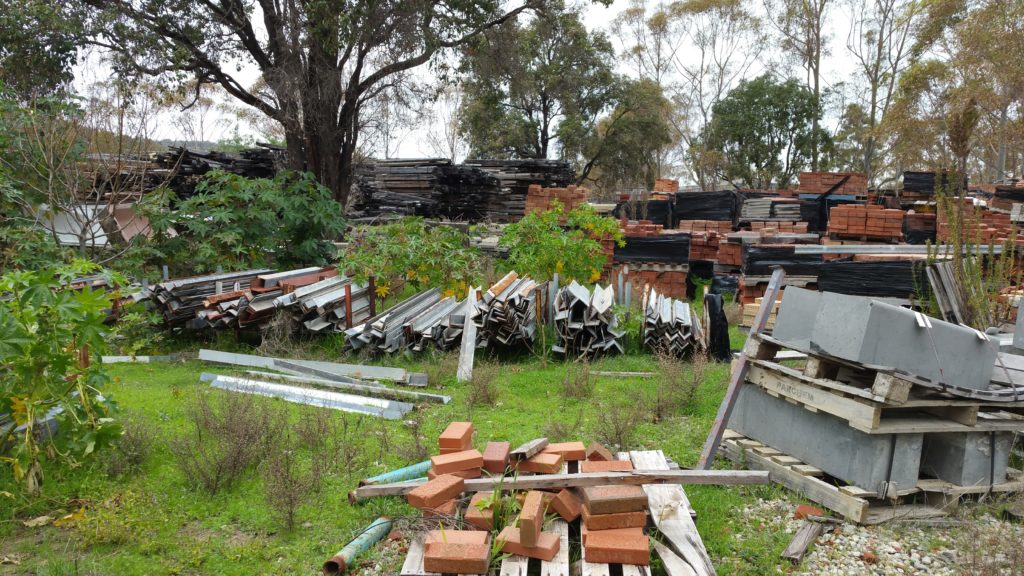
<point x="866" y="237"/>
<point x="852" y="502"/>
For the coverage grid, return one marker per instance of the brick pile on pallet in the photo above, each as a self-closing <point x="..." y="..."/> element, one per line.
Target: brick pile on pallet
<point x="856" y="183"/>
<point x="539" y="199"/>
<point x="640" y="228"/>
<point x="865" y="221"/>
<point x="900" y="407"/>
<point x="719" y="226"/>
<point x="704" y="245"/>
<point x="666" y="186"/>
<point x="921" y="223"/>
<point x="980" y="225"/>
<point x="730" y="253"/>
<point x="787" y="227"/>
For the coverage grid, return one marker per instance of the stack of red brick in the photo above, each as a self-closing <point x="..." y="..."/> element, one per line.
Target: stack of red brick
<point x="671" y="283"/>
<point x="820" y="182"/>
<point x="979" y="225"/>
<point x="730" y="253"/>
<point x="788" y="227"/>
<point x="704" y="245"/>
<point x="666" y="185"/>
<point x="539" y="199"/>
<point x="640" y="228"/>
<point x="915" y="221"/>
<point x="719" y="226"/>
<point x="613" y="517"/>
<point x="866" y="221"/>
<point x="749" y="293"/>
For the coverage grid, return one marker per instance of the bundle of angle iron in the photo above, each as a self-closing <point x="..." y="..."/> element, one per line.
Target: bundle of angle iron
<point x="506" y="316"/>
<point x="315" y="300"/>
<point x="585" y="323"/>
<point x="670" y="326"/>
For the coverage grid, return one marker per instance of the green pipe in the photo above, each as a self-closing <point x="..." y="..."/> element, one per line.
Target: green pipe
<point x="373" y="533"/>
<point x="414" y="472"/>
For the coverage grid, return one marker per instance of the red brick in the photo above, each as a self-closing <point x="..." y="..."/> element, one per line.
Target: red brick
<point x="584" y="531"/>
<point x="458" y="436"/>
<point x="568" y="450"/>
<point x="615" y="499"/>
<point x="546" y="548"/>
<point x="482" y="518"/>
<point x="447" y="509"/>
<point x="531" y="518"/>
<point x="610" y="466"/>
<point x="805" y="510"/>
<point x="465" y="474"/>
<point x="542" y="463"/>
<point x="611" y="547"/>
<point x="457" y="551"/>
<point x="613" y="521"/>
<point x="496" y="457"/>
<point x="596" y="452"/>
<point x="465" y="460"/>
<point x="566" y="504"/>
<point x="435" y="492"/>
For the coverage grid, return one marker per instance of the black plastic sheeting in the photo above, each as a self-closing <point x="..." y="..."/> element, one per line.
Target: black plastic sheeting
<point x="722" y="205"/>
<point x="667" y="249"/>
<point x="895" y="279"/>
<point x="657" y="211"/>
<point x="759" y="259"/>
<point x="1012" y="194"/>
<point x="725" y="284"/>
<point x="718" y="328"/>
<point x="919" y="236"/>
<point x="924" y="182"/>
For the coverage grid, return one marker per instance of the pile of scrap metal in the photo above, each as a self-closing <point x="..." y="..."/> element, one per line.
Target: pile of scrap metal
<point x="506" y="315"/>
<point x="670" y="326"/>
<point x="346" y="387"/>
<point x="316" y="300"/>
<point x="585" y="323"/>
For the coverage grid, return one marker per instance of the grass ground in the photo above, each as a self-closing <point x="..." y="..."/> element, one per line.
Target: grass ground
<point x="151" y="522"/>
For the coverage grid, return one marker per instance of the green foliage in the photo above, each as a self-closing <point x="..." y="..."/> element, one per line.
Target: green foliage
<point x="38" y="46"/>
<point x="539" y="245"/>
<point x="763" y="131"/>
<point x="530" y="84"/>
<point x="409" y="251"/>
<point x="238" y="222"/>
<point x="48" y="333"/>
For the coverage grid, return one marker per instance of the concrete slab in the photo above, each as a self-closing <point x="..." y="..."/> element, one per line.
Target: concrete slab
<point x="824" y="441"/>
<point x="795" y="320"/>
<point x="967" y="458"/>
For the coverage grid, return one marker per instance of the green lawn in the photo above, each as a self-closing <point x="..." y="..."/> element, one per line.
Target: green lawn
<point x="151" y="522"/>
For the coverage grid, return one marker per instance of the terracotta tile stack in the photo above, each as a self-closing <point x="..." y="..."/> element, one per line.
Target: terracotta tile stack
<point x="719" y="226"/>
<point x="704" y="245"/>
<point x="769" y="226"/>
<point x="539" y="199"/>
<point x="865" y="221"/>
<point x="821" y="182"/>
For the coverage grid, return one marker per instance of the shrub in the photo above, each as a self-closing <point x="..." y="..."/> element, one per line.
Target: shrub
<point x="483" y="387"/>
<point x="577" y="383"/>
<point x="287" y="483"/>
<point x="238" y="222"/>
<point x="133" y="447"/>
<point x="412" y="252"/>
<point x="540" y="245"/>
<point x="229" y="433"/>
<point x="617" y="422"/>
<point x="51" y="337"/>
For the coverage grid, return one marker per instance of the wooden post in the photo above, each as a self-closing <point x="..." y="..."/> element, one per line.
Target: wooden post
<point x="348" y="305"/>
<point x="739" y="371"/>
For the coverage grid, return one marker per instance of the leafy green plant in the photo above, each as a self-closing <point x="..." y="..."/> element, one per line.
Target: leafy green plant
<point x="412" y="252"/>
<point x="540" y="244"/>
<point x="237" y="222"/>
<point x="48" y="336"/>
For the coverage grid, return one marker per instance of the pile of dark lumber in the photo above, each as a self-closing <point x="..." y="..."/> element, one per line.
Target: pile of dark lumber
<point x="508" y="203"/>
<point x="585" y="323"/>
<point x="431" y="187"/>
<point x="669" y="325"/>
<point x="181" y="168"/>
<point x="507" y="313"/>
<point x="722" y="206"/>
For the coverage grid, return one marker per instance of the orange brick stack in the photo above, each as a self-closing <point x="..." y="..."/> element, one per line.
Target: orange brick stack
<point x="749" y="293"/>
<point x="641" y="228"/>
<point x="788" y="227"/>
<point x="720" y="226"/>
<point x="539" y="199"/>
<point x="704" y="245"/>
<point x="666" y="185"/>
<point x="980" y="225"/>
<point x="730" y="253"/>
<point x="671" y="283"/>
<point x="821" y="182"/>
<point x="865" y="221"/>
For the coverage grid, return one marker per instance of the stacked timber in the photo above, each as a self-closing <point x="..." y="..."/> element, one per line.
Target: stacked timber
<point x="430" y="187"/>
<point x="670" y="326"/>
<point x="891" y="405"/>
<point x="508" y="312"/>
<point x="508" y="202"/>
<point x="770" y="208"/>
<point x="585" y="323"/>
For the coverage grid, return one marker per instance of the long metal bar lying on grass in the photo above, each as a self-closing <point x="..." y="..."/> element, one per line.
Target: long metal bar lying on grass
<point x="388" y="409"/>
<point x="372" y="534"/>
<point x="358" y="371"/>
<point x="375" y="390"/>
<point x="543" y="481"/>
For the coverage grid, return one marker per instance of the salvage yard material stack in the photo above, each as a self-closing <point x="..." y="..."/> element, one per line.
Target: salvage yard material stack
<point x="330" y="305"/>
<point x="431" y="187"/>
<point x="704" y="245"/>
<point x="978" y="224"/>
<point x="774" y="208"/>
<point x="892" y="407"/>
<point x="866" y="222"/>
<point x="386" y="332"/>
<point x="508" y="202"/>
<point x="585" y="323"/>
<point x="718" y="226"/>
<point x="561" y="489"/>
<point x="853" y="184"/>
<point x="540" y="199"/>
<point x="670" y="326"/>
<point x="722" y="206"/>
<point x="919" y="228"/>
<point x="778" y="226"/>
<point x="180" y="299"/>
<point x="750" y="311"/>
<point x="508" y="312"/>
